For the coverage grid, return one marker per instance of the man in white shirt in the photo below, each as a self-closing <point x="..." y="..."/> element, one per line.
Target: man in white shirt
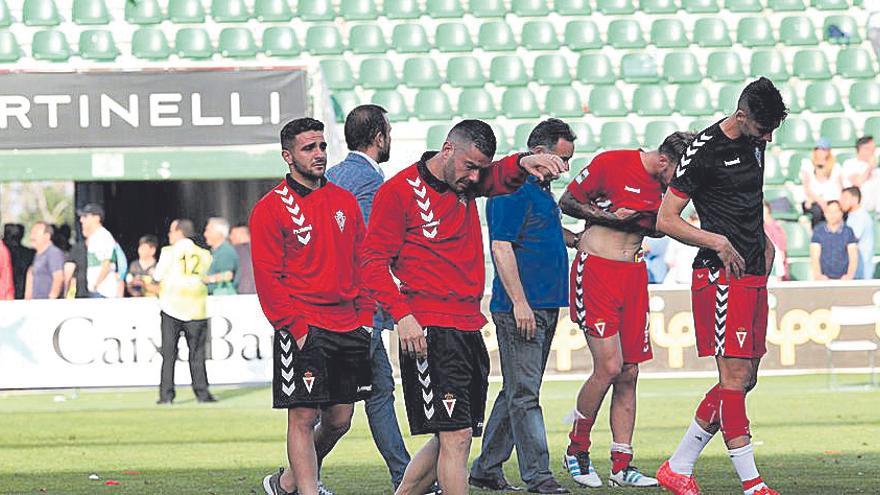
<point x="860" y="221"/>
<point x="101" y="275"/>
<point x="861" y="171"/>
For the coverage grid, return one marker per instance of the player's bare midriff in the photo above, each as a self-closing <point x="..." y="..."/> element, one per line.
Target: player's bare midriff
<point x="611" y="244"/>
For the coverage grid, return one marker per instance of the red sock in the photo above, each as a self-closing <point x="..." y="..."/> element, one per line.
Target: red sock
<point x="734" y="422"/>
<point x="620" y="460"/>
<point x="580" y="435"/>
<point x="749" y="484"/>
<point x="707" y="411"/>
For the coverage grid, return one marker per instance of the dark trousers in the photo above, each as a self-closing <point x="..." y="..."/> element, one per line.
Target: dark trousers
<point x="196" y="333"/>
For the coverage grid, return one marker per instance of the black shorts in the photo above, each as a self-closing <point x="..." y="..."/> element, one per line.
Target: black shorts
<point x="331" y="368"/>
<point x="447" y="390"/>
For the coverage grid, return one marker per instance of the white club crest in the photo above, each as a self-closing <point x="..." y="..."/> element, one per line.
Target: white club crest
<point x="449" y="404"/>
<point x="340" y="220"/>
<point x="309" y="380"/>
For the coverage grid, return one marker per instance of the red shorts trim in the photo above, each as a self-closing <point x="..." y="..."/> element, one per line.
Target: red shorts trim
<point x="730" y="315"/>
<point x="610" y="298"/>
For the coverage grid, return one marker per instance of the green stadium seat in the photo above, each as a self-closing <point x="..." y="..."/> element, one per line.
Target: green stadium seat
<point x="711" y="32"/>
<point x="770" y="64"/>
<point x="150" y="44"/>
<point x="658" y="7"/>
<point x="786" y="5"/>
<point x="582" y="35"/>
<point x="237" y="43"/>
<point x="669" y="33"/>
<point x="595" y="68"/>
<point x="281" y="41"/>
<point x="444" y="9"/>
<point x="656" y="132"/>
<point x="5" y="15"/>
<point x="10" y="50"/>
<point x="700" y="6"/>
<point x="366" y="39"/>
<point x="651" y="101"/>
<point x="530" y="8"/>
<point x="773" y="173"/>
<point x="699" y="125"/>
<point x="476" y="103"/>
<point x="586" y="139"/>
<point x="790" y="97"/>
<point x="324" y="40"/>
<point x="193" y="43"/>
<point x="743" y="6"/>
<point x="562" y="102"/>
<point x="50" y="45"/>
<point x="693" y="100"/>
<point x="401" y="9"/>
<point x="843" y="24"/>
<point x="615" y="7"/>
<point x="823" y="97"/>
<point x="410" y="38"/>
<point x="855" y="63"/>
<point x="421" y="72"/>
<point x="871" y="127"/>
<point x="89" y="12"/>
<point x="795" y="134"/>
<point x="337" y="74"/>
<point x="315" y="10"/>
<point x="725" y="66"/>
<point x="521" y="136"/>
<point x="186" y="11"/>
<point x="607" y="101"/>
<point x="797" y="239"/>
<point x="229" y="11"/>
<point x="811" y="64"/>
<point x="40" y="13"/>
<point x="465" y="72"/>
<point x="797" y="31"/>
<point x="508" y="70"/>
<point x="832" y="4"/>
<point x="570" y="8"/>
<point x="618" y="135"/>
<point x="776" y="195"/>
<point x="496" y="36"/>
<point x="272" y="11"/>
<point x="625" y="33"/>
<point x="358" y="10"/>
<point x="539" y="35"/>
<point x="795" y="162"/>
<point x="551" y="70"/>
<point x="343" y="103"/>
<point x="728" y="97"/>
<point x="840" y="131"/>
<point x="639" y="68"/>
<point x="753" y="32"/>
<point x="502" y="142"/>
<point x="98" y="45"/>
<point x="799" y="270"/>
<point x="488" y="8"/>
<point x="453" y="37"/>
<point x="681" y="68"/>
<point x="432" y="104"/>
<point x="393" y="103"/>
<point x="864" y="96"/>
<point x="436" y="136"/>
<point x="377" y="73"/>
<point x="143" y="12"/>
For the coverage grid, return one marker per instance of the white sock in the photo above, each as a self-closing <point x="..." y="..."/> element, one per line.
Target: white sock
<point x="692" y="443"/>
<point x="743" y="460"/>
<point x="621" y="447"/>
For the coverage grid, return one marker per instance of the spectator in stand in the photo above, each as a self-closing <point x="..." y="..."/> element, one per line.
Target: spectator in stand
<point x="822" y="181"/>
<point x="45" y="278"/>
<point x="101" y="275"/>
<point x="240" y="237"/>
<point x="680" y="257"/>
<point x="7" y="288"/>
<point x="834" y="253"/>
<point x="862" y="225"/>
<point x="75" y="270"/>
<point x="655" y="258"/>
<point x="777" y="236"/>
<point x="61" y="237"/>
<point x="221" y="277"/>
<point x="139" y="280"/>
<point x="22" y="257"/>
<point x="861" y="171"/>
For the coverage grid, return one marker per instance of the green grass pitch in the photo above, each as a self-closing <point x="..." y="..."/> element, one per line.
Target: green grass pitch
<point x="809" y="440"/>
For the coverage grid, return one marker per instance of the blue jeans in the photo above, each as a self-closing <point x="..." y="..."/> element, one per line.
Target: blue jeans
<point x="517" y="419"/>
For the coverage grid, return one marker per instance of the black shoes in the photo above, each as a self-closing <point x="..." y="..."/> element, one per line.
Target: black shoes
<point x="207" y="398"/>
<point x="549" y="486"/>
<point x="494" y="484"/>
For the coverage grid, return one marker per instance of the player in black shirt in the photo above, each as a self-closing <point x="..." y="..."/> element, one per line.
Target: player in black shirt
<point x="722" y="172"/>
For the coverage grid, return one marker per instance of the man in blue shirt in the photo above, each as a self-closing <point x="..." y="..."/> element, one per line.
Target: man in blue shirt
<point x="862" y="225"/>
<point x="833" y="250"/>
<point x="530" y="285"/>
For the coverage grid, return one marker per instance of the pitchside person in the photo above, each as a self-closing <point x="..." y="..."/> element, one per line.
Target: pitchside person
<point x="723" y="173"/>
<point x="425" y="229"/>
<point x="618" y="194"/>
<point x="306" y="237"/>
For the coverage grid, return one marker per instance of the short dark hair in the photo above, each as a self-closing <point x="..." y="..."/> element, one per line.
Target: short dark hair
<point x="549" y="132"/>
<point x="150" y="239"/>
<point x="185" y="226"/>
<point x="855" y="192"/>
<point x="363" y="124"/>
<point x="675" y="144"/>
<point x="863" y="141"/>
<point x="834" y="202"/>
<point x="297" y="127"/>
<point x="13" y="233"/>
<point x="476" y="132"/>
<point x="47" y="227"/>
<point x="763" y="102"/>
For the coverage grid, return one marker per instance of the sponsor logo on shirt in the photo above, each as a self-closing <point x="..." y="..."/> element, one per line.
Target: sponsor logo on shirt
<point x="730" y="163"/>
<point x="632" y="189"/>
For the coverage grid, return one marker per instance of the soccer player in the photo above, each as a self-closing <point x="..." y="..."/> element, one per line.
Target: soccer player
<point x="425" y="229"/>
<point x="723" y="174"/>
<point x="618" y="194"/>
<point x="306" y="237"/>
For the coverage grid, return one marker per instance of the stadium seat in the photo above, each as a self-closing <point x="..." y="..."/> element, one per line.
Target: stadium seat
<point x="40" y="13"/>
<point x="871" y="127"/>
<point x="50" y="45"/>
<point x="324" y="40"/>
<point x="143" y="12"/>
<point x="551" y="70"/>
<point x="607" y="101"/>
<point x="453" y="37"/>
<point x="569" y="8"/>
<point x="487" y="8"/>
<point x="728" y="97"/>
<point x="586" y="139"/>
<point x="150" y="44"/>
<point x="281" y="41"/>
<point x="237" y="43"/>
<point x="337" y="74"/>
<point x="823" y="97"/>
<point x="864" y="96"/>
<point x="699" y="125"/>
<point x="582" y="35"/>
<point x="797" y="31"/>
<point x="521" y="135"/>
<point x="502" y="142"/>
<point x="377" y="73"/>
<point x="840" y="131"/>
<point x="358" y="10"/>
<point x="786" y="5"/>
<point x="496" y="36"/>
<point x="773" y="173"/>
<point x="595" y="68"/>
<point x="615" y="7"/>
<point x="5" y="15"/>
<point x="658" y="7"/>
<point x="186" y="11"/>
<point x="344" y="102"/>
<point x="465" y="72"/>
<point x="562" y="102"/>
<point x="539" y="35"/>
<point x="650" y="101"/>
<point x="710" y="32"/>
<point x="229" y="11"/>
<point x="98" y="45"/>
<point x="639" y="68"/>
<point x="752" y="32"/>
<point x="444" y="9"/>
<point x="272" y="11"/>
<point x="401" y="9"/>
<point x="508" y="70"/>
<point x="366" y="39"/>
<point x="693" y="100"/>
<point x="422" y="72"/>
<point x="855" y="63"/>
<point x="841" y="29"/>
<point x="476" y="103"/>
<point x="315" y="10"/>
<point x="436" y="136"/>
<point x="795" y="134"/>
<point x="669" y="33"/>
<point x="833" y="4"/>
<point x="770" y="64"/>
<point x="797" y="239"/>
<point x="795" y="162"/>
<point x="530" y="8"/>
<point x="656" y="131"/>
<point x="782" y="203"/>
<point x="410" y="38"/>
<point x="393" y="103"/>
<point x="681" y="68"/>
<point x="432" y="104"/>
<point x="193" y="43"/>
<point x="10" y="50"/>
<point x="790" y="97"/>
<point x="725" y="66"/>
<point x="618" y="135"/>
<point x="700" y="6"/>
<point x="744" y="6"/>
<point x="799" y="270"/>
<point x="625" y="33"/>
<point x="811" y="64"/>
<point x="87" y="12"/>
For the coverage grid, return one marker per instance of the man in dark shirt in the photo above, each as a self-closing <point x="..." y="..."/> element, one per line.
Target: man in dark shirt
<point x="240" y="238"/>
<point x="22" y="257"/>
<point x="723" y="173"/>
